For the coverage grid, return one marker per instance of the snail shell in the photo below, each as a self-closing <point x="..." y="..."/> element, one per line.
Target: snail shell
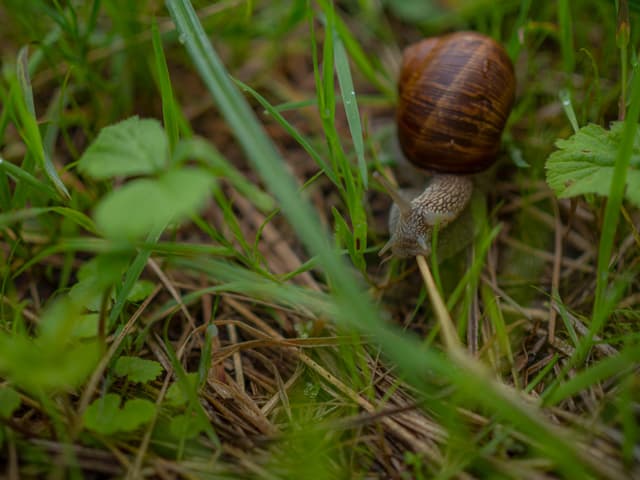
<point x="455" y="94"/>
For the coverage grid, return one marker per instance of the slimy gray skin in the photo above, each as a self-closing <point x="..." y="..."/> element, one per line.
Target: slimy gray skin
<point x="412" y="220"/>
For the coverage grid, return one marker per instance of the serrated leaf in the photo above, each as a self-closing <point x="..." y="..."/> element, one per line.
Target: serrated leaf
<point x="132" y="147"/>
<point x="144" y="205"/>
<point x="9" y="401"/>
<point x="137" y="369"/>
<point x="105" y="416"/>
<point x="584" y="163"/>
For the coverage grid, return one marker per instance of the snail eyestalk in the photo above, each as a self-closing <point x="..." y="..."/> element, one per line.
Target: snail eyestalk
<point x="403" y="203"/>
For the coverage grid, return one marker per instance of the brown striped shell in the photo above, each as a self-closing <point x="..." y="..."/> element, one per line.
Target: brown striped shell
<point x="455" y="94"/>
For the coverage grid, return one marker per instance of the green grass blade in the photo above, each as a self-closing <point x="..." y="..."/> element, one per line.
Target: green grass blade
<point x="541" y="374"/>
<point x="133" y="273"/>
<point x="565" y="99"/>
<point x="350" y="104"/>
<point x="24" y="112"/>
<point x="371" y="72"/>
<point x="169" y="105"/>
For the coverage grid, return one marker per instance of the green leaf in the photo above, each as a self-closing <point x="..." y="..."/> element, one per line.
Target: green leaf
<point x="186" y="426"/>
<point x="144" y="205"/>
<point x="85" y="294"/>
<point x="137" y="369"/>
<point x="86" y="326"/>
<point x="38" y="365"/>
<point x="105" y="416"/>
<point x="131" y="147"/>
<point x="53" y="361"/>
<point x="141" y="290"/>
<point x="9" y="401"/>
<point x="584" y="163"/>
<point x="176" y="396"/>
<point x="95" y="277"/>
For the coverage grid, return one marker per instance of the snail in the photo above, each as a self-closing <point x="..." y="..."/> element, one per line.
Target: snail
<point x="455" y="93"/>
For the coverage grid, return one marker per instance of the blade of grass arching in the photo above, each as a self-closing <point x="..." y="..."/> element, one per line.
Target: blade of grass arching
<point x="612" y="215"/>
<point x="290" y="129"/>
<point x="169" y="106"/>
<point x="351" y="307"/>
<point x="350" y="104"/>
<point x="24" y="111"/>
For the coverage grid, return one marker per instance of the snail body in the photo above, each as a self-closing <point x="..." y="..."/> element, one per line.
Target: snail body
<point x="455" y="94"/>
